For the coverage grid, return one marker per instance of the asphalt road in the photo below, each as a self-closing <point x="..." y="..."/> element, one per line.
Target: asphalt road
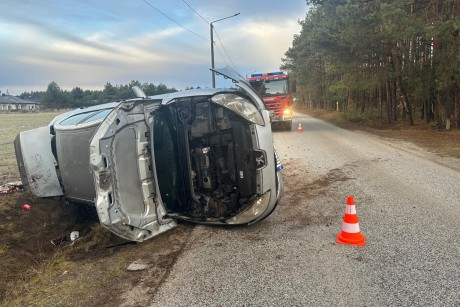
<point x="408" y="203"/>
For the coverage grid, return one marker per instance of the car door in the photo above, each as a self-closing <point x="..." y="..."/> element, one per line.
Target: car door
<point x="128" y="201"/>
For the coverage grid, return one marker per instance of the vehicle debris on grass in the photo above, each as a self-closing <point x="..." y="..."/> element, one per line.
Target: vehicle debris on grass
<point x="11" y="187"/>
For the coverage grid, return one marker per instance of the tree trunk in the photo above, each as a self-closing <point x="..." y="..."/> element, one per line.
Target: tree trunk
<point x="456" y="106"/>
<point x="389" y="102"/>
<point x="402" y="96"/>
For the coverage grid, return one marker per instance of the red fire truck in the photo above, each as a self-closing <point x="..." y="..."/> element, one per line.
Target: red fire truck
<point x="273" y="87"/>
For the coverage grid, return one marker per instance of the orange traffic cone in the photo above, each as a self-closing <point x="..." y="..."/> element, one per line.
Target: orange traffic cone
<point x="350" y="233"/>
<point x="299" y="129"/>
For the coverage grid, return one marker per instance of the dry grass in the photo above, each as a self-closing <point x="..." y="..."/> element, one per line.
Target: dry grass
<point x="10" y="125"/>
<point x="444" y="143"/>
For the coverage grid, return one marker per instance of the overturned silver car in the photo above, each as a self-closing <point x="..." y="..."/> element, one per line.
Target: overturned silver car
<point x="204" y="156"/>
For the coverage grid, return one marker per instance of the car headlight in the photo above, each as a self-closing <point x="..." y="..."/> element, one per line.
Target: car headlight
<point x="255" y="210"/>
<point x="241" y="106"/>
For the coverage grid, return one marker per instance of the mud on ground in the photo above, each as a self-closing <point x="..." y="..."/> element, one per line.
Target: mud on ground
<point x="90" y="271"/>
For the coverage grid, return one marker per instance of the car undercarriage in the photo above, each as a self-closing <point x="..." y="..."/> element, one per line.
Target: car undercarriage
<point x="215" y="146"/>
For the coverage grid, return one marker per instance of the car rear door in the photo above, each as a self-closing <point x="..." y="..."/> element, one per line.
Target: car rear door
<point x="127" y="200"/>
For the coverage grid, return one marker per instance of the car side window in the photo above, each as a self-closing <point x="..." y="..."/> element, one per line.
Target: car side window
<point x="97" y="116"/>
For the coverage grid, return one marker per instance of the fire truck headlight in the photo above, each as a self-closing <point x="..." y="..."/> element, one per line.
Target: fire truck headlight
<point x="241" y="106"/>
<point x="287" y="112"/>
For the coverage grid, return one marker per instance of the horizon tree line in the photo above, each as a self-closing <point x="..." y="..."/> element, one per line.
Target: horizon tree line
<point x="56" y="98"/>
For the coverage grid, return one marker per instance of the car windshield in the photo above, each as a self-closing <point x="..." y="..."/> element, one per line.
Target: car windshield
<point x="270" y="87"/>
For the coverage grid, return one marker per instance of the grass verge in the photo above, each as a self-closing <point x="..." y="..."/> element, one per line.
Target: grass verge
<point x="443" y="143"/>
<point x="10" y="125"/>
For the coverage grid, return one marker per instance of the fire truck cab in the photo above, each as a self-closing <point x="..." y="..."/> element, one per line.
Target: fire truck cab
<point x="274" y="89"/>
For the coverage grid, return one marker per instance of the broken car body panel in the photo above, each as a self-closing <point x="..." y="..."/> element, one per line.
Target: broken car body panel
<point x="36" y="162"/>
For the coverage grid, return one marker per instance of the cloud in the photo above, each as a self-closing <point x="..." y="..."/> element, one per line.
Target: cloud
<point x="88" y="43"/>
<point x="264" y="43"/>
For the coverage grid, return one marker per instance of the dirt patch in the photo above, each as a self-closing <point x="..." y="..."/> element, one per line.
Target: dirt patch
<point x="26" y="235"/>
<point x="93" y="271"/>
<point x="88" y="272"/>
<point x="298" y="186"/>
<point x="299" y="190"/>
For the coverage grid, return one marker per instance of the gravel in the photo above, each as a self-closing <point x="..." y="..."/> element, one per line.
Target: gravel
<point x="408" y="203"/>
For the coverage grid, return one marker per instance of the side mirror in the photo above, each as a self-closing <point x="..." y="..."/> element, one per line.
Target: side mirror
<point x="138" y="92"/>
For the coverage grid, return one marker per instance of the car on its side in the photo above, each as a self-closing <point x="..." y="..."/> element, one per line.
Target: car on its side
<point x="203" y="155"/>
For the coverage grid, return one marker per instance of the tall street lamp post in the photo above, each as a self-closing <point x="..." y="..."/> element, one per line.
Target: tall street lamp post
<point x="212" y="47"/>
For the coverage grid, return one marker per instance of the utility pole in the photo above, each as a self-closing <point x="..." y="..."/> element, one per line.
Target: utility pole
<point x="212" y="47"/>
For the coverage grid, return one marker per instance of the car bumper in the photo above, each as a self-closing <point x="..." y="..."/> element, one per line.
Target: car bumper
<point x="274" y="118"/>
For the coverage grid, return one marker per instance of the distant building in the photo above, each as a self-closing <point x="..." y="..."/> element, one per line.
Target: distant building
<point x="12" y="103"/>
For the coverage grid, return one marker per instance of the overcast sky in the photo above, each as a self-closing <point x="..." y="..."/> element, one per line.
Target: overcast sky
<point x="88" y="43"/>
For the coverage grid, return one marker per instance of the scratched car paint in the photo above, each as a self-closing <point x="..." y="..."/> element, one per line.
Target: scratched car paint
<point x="204" y="156"/>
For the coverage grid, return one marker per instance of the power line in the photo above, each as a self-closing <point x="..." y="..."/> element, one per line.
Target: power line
<point x="223" y="58"/>
<point x="195" y="11"/>
<point x="225" y="50"/>
<point x="223" y="47"/>
<point x="148" y="3"/>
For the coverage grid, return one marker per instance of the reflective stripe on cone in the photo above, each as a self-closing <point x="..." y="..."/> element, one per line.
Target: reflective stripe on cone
<point x="350" y="228"/>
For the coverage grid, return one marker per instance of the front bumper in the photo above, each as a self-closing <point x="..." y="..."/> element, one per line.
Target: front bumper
<point x="280" y="118"/>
